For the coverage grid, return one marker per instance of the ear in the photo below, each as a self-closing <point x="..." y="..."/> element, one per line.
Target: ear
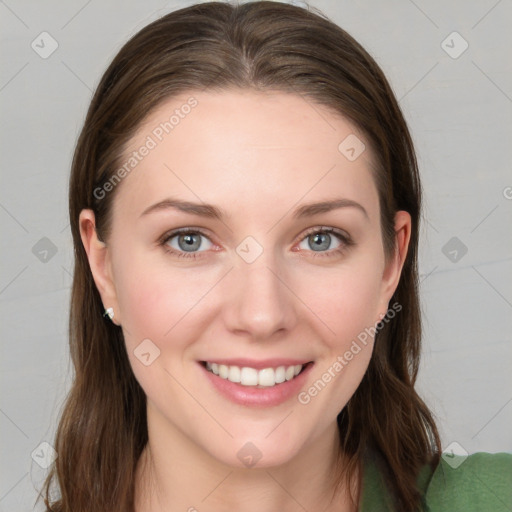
<point x="99" y="261"/>
<point x="395" y="263"/>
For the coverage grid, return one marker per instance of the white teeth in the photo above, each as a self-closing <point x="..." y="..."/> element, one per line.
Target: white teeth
<point x="290" y="372"/>
<point x="234" y="374"/>
<point x="267" y="377"/>
<point x="280" y="374"/>
<point x="223" y="371"/>
<point x="249" y="377"/>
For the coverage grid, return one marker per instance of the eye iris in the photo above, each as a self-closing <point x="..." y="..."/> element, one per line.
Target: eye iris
<point x="191" y="242"/>
<point x="320" y="241"/>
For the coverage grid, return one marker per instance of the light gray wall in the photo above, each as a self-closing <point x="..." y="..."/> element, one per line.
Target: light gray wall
<point x="459" y="110"/>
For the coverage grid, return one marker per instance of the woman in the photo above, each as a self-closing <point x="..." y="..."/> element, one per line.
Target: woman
<point x="244" y="203"/>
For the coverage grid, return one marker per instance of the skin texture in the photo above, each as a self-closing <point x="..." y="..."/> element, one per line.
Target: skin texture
<point x="257" y="156"/>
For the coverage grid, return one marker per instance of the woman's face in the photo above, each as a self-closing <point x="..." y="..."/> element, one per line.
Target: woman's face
<point x="263" y="282"/>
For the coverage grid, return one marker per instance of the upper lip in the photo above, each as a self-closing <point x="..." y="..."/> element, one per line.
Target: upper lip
<point x="259" y="364"/>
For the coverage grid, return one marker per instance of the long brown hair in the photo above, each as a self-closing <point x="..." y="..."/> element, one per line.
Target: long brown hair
<point x="217" y="46"/>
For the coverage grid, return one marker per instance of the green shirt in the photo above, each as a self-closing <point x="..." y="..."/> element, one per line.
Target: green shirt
<point x="482" y="482"/>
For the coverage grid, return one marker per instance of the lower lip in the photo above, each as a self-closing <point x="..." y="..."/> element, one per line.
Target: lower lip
<point x="262" y="397"/>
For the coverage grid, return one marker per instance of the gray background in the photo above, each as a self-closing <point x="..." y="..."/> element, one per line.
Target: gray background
<point x="459" y="108"/>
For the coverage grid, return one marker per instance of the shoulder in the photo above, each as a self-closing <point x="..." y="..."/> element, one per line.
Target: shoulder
<point x="478" y="482"/>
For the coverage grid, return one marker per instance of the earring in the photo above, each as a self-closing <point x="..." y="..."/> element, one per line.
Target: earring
<point x="109" y="312"/>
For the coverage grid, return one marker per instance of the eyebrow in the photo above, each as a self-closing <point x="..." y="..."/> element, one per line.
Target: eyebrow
<point x="213" y="212"/>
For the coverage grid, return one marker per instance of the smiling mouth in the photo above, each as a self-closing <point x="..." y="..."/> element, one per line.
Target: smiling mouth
<point x="247" y="376"/>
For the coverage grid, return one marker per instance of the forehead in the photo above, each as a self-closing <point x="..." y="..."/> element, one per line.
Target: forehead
<point x="243" y="147"/>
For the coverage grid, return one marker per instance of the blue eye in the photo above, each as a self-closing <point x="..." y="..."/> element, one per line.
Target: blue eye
<point x="186" y="242"/>
<point x="325" y="241"/>
<point x="322" y="242"/>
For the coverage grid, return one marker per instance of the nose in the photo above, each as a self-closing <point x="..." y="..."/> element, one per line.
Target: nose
<point x="259" y="303"/>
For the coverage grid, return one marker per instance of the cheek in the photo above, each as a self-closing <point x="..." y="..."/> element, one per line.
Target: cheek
<point x="348" y="305"/>
<point x="151" y="303"/>
<point x="346" y="299"/>
<point x="154" y="306"/>
<point x="157" y="301"/>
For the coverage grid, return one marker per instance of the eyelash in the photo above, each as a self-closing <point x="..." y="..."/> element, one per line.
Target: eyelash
<point x="343" y="237"/>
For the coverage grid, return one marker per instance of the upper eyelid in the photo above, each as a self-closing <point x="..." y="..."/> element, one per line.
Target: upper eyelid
<point x="329" y="229"/>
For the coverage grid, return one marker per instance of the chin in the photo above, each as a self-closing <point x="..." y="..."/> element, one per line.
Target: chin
<point x="256" y="452"/>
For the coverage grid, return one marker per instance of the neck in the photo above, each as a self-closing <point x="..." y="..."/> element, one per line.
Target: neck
<point x="174" y="474"/>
